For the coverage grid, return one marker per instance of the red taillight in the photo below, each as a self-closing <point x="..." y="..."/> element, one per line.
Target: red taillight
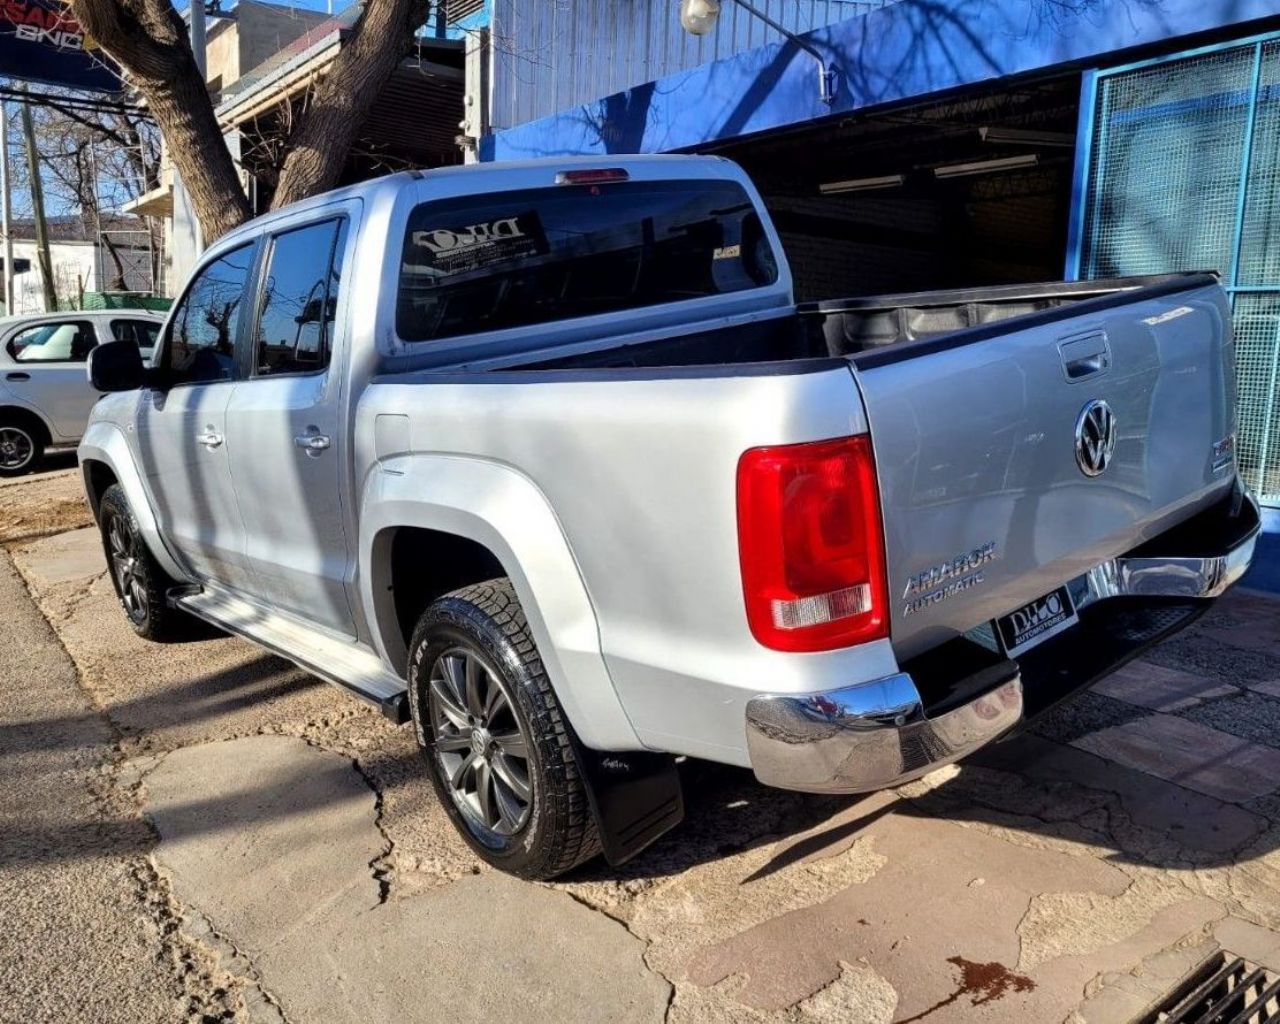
<point x="811" y="546"/>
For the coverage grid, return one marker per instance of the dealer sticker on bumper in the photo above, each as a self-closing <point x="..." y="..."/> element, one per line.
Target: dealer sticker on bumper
<point x="1034" y="623"/>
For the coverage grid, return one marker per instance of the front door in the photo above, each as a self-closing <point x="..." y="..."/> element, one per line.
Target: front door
<point x="182" y="426"/>
<point x="287" y="430"/>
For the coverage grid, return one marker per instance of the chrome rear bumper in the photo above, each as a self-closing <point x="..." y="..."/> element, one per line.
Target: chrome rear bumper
<point x="868" y="737"/>
<point x="880" y="734"/>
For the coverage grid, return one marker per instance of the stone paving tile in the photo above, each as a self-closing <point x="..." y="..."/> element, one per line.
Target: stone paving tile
<point x="1271" y="687"/>
<point x="1199" y="652"/>
<point x="1160" y="688"/>
<point x="1085" y="714"/>
<point x="1251" y="716"/>
<point x="1244" y="938"/>
<point x="1189" y="754"/>
<point x="1193" y="820"/>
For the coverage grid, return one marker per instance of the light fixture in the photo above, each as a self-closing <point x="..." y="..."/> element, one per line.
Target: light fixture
<point x="1027" y="137"/>
<point x="699" y="17"/>
<point x="1004" y="163"/>
<point x="831" y="188"/>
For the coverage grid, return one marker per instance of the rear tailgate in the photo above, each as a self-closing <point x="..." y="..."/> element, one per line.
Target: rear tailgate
<point x="986" y="505"/>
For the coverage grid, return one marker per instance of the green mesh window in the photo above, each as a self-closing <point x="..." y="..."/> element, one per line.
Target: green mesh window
<point x="1184" y="174"/>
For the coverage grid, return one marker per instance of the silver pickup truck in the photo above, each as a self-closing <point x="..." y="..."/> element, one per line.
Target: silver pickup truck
<point x="544" y="458"/>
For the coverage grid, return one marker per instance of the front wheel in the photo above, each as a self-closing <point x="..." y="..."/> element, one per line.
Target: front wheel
<point x="494" y="737"/>
<point x="139" y="581"/>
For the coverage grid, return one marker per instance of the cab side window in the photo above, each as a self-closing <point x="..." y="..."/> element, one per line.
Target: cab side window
<point x="202" y="336"/>
<point x="294" y="333"/>
<point x="68" y="342"/>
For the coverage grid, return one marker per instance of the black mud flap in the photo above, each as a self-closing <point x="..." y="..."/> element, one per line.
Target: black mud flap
<point x="635" y="797"/>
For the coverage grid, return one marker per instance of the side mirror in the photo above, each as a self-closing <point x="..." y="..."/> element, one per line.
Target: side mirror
<point x="117" y="366"/>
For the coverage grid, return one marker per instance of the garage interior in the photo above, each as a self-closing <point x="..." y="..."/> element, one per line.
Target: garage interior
<point x="971" y="191"/>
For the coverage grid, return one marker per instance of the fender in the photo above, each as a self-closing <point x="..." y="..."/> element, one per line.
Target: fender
<point x="500" y="508"/>
<point x="105" y="442"/>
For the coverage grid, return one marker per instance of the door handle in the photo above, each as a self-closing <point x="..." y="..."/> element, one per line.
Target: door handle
<point x="211" y="439"/>
<point x="312" y="444"/>
<point x="1083" y="357"/>
<point x="17" y="376"/>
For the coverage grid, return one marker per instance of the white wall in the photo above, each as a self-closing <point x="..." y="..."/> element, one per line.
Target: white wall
<point x="74" y="272"/>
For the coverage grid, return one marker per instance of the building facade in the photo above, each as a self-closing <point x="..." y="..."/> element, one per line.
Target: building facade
<point x="967" y="142"/>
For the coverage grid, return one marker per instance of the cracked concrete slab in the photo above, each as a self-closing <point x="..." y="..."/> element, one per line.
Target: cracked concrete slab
<point x="77" y="944"/>
<point x="278" y="843"/>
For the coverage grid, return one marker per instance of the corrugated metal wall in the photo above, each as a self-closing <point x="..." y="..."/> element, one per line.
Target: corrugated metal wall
<point x="550" y="55"/>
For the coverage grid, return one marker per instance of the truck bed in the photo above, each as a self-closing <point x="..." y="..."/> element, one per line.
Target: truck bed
<point x="865" y="328"/>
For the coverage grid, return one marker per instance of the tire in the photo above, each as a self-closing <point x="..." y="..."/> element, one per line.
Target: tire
<point x="22" y="446"/>
<point x="140" y="583"/>
<point x="478" y="693"/>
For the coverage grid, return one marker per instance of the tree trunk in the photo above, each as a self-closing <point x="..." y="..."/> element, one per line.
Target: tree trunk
<point x="149" y="39"/>
<point x="318" y="147"/>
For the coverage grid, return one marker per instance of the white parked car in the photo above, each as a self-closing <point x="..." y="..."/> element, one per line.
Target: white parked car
<point x="45" y="394"/>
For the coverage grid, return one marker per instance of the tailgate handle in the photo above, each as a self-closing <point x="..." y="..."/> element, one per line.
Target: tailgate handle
<point x="1083" y="357"/>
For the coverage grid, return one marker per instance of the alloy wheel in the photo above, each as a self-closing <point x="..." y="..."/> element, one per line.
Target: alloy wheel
<point x="481" y="748"/>
<point x="125" y="565"/>
<point x="16" y="448"/>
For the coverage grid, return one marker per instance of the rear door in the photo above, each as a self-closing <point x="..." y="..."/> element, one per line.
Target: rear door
<point x="286" y="429"/>
<point x="998" y="479"/>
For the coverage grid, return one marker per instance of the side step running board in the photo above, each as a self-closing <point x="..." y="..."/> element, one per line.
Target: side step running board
<point x="350" y="666"/>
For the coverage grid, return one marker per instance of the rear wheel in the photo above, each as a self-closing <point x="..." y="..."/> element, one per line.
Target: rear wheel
<point x="494" y="737"/>
<point x="21" y="447"/>
<point x="139" y="581"/>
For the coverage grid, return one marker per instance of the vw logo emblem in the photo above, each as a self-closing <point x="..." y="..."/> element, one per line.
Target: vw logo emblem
<point x="1095" y="437"/>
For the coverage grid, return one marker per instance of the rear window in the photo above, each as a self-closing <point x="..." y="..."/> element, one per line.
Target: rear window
<point x="517" y="258"/>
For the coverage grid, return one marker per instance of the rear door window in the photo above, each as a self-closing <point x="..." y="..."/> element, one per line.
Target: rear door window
<point x="299" y="300"/>
<point x="512" y="259"/>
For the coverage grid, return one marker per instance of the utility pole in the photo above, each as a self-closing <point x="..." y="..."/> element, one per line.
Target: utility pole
<point x="188" y="238"/>
<point x="43" y="257"/>
<point x="4" y="208"/>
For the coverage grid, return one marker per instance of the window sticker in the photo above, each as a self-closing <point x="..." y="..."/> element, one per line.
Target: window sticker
<point x="727" y="252"/>
<point x="468" y="247"/>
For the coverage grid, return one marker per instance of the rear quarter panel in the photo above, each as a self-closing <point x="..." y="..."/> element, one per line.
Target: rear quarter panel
<point x="641" y="477"/>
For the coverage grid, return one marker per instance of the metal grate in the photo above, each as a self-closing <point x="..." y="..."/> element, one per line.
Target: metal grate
<point x="1169" y="140"/>
<point x="1224" y="989"/>
<point x="1257" y="323"/>
<point x="1184" y="174"/>
<point x="1260" y="240"/>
